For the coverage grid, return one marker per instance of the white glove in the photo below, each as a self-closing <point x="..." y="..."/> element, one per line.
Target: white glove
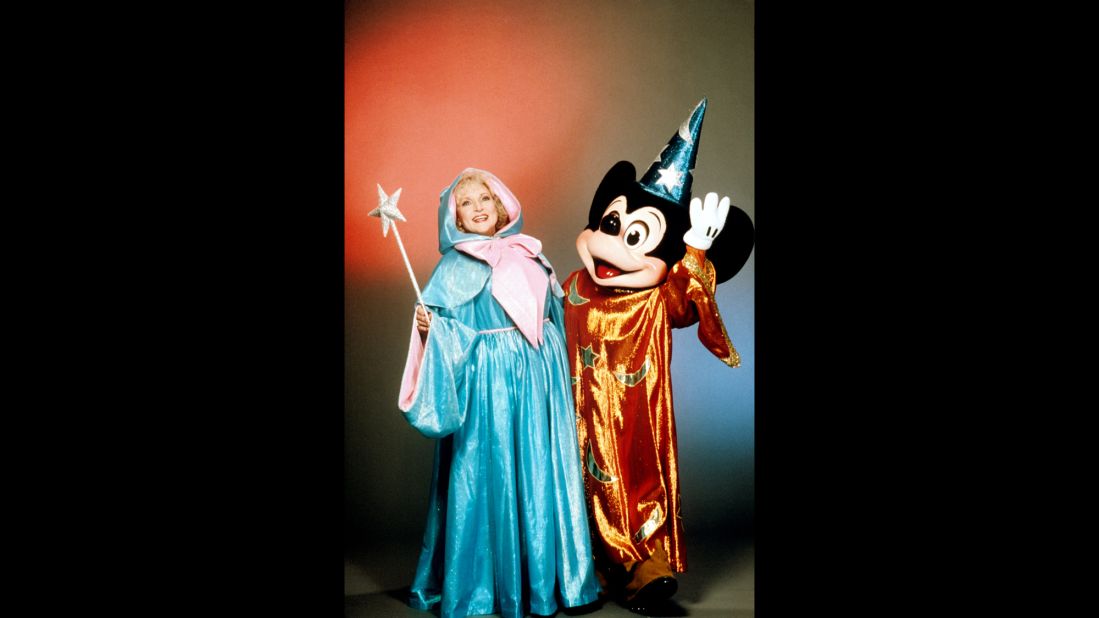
<point x="707" y="219"/>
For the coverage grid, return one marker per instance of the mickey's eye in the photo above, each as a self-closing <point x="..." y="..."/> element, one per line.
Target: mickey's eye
<point x="610" y="224"/>
<point x="636" y="234"/>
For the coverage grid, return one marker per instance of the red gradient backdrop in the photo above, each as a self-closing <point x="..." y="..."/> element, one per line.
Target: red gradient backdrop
<point x="547" y="96"/>
<point x="432" y="89"/>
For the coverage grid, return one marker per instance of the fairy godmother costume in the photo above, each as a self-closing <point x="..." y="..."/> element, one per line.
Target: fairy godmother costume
<point x="506" y="528"/>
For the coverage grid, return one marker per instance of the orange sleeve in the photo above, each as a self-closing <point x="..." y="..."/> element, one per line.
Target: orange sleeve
<point x="689" y="295"/>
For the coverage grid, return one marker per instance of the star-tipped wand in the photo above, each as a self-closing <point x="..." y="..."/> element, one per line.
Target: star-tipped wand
<point x="388" y="213"/>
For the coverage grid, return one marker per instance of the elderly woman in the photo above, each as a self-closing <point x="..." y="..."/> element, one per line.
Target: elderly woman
<point x="487" y="376"/>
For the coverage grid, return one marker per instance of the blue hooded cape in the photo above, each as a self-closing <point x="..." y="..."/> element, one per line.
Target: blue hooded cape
<point x="507" y="528"/>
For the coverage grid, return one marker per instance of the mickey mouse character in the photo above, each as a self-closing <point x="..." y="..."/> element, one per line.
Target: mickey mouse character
<point x="652" y="259"/>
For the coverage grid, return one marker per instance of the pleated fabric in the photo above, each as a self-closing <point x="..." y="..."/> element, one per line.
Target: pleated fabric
<point x="507" y="528"/>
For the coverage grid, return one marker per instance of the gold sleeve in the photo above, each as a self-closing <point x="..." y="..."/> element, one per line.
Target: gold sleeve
<point x="689" y="294"/>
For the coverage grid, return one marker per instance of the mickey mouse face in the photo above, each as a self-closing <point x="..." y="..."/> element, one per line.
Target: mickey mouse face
<point x="616" y="254"/>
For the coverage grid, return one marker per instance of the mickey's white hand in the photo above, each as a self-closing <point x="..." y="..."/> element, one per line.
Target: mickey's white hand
<point x="707" y="219"/>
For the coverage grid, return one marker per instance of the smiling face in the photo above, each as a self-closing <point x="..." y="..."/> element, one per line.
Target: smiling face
<point x="615" y="254"/>
<point x="476" y="208"/>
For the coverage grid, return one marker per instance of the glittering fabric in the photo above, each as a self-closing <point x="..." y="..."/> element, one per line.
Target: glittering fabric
<point x="619" y="345"/>
<point x="506" y="527"/>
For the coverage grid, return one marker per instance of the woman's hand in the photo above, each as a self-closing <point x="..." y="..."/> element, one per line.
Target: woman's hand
<point x="423" y="320"/>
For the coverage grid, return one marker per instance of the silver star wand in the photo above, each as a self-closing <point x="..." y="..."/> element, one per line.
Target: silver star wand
<point x="388" y="213"/>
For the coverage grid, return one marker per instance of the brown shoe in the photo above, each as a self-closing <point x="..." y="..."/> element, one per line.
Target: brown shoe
<point x="612" y="580"/>
<point x="651" y="581"/>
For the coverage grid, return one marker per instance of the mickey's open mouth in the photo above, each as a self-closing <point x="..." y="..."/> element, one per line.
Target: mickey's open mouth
<point x="605" y="270"/>
<point x="480" y="218"/>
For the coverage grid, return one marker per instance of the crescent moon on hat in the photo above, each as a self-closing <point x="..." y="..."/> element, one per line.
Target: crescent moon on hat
<point x="685" y="132"/>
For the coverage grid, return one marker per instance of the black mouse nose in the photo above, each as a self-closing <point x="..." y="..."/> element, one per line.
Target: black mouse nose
<point x="611" y="224"/>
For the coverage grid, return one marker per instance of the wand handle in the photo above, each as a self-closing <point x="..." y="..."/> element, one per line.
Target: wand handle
<point x="404" y="255"/>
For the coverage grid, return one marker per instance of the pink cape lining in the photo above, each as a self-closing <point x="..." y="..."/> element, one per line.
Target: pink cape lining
<point x="410" y="380"/>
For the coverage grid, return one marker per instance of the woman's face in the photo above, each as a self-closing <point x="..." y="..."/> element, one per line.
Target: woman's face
<point x="476" y="208"/>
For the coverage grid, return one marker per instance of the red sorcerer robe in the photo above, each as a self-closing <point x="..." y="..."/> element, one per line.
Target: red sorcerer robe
<point x="620" y="348"/>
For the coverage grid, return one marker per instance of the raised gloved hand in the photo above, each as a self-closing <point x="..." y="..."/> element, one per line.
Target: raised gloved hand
<point x="707" y="219"/>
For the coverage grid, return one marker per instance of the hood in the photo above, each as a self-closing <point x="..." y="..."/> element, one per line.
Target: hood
<point x="448" y="229"/>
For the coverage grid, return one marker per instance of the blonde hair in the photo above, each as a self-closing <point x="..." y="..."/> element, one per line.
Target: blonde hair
<point x="502" y="218"/>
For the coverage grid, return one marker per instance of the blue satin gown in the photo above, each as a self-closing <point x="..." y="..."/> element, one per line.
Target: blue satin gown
<point x="507" y="528"/>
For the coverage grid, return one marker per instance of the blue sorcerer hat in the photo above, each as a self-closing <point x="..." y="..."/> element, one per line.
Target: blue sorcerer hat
<point x="670" y="175"/>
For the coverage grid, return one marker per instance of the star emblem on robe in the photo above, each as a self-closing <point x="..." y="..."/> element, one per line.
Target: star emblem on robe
<point x="587" y="356"/>
<point x="387" y="209"/>
<point x="670" y="177"/>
